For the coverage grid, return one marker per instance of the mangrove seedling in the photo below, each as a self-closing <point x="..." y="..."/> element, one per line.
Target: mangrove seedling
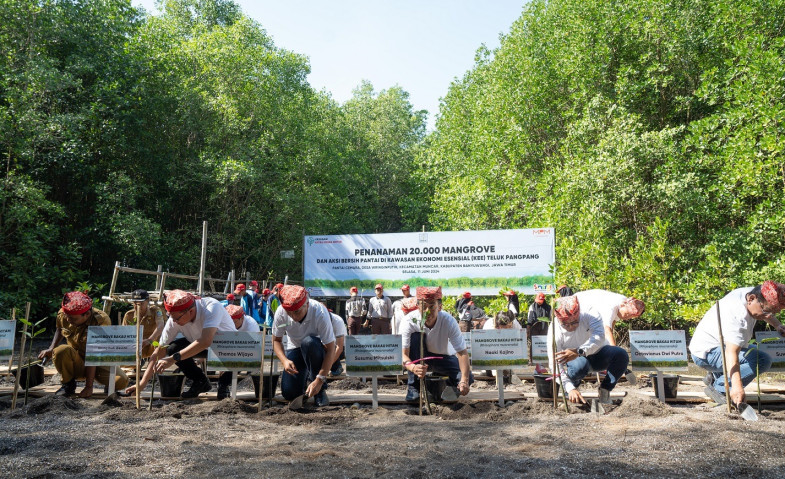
<point x="31" y="333"/>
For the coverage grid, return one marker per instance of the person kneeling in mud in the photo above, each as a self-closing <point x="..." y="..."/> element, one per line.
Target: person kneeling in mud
<point x="581" y="349"/>
<point x="198" y="319"/>
<point x="440" y="331"/>
<point x="75" y="316"/>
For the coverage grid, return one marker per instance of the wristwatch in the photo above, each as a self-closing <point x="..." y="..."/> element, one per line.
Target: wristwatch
<point x="322" y="377"/>
<point x="176" y="356"/>
<point x="581" y="352"/>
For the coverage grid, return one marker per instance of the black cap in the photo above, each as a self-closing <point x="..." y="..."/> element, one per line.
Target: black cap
<point x="140" y="295"/>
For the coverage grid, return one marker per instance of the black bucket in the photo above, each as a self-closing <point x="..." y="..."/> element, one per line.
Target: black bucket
<point x="435" y="386"/>
<point x="670" y="382"/>
<point x="265" y="385"/>
<point x="171" y="385"/>
<point x="36" y="375"/>
<point x="544" y="385"/>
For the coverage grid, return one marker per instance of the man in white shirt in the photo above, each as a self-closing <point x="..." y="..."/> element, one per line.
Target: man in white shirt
<point x="355" y="311"/>
<point x="398" y="311"/>
<point x="610" y="307"/>
<point x="441" y="330"/>
<point x="739" y="310"/>
<point x="581" y="349"/>
<point x="311" y="346"/>
<point x="197" y="320"/>
<point x="379" y="312"/>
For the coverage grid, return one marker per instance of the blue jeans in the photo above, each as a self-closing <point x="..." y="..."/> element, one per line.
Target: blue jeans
<point x="445" y="365"/>
<point x="750" y="359"/>
<point x="308" y="359"/>
<point x="611" y="358"/>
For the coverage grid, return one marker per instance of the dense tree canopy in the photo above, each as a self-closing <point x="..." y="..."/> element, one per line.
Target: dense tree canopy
<point x="648" y="133"/>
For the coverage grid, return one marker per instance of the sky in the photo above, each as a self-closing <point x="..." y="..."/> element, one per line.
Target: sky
<point x="419" y="45"/>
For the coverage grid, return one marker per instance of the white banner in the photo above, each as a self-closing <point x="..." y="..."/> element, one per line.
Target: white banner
<point x="110" y="346"/>
<point x="774" y="347"/>
<point x="658" y="350"/>
<point x="499" y="348"/>
<point x="369" y="355"/>
<point x="7" y="332"/>
<point x="235" y="351"/>
<point x="482" y="262"/>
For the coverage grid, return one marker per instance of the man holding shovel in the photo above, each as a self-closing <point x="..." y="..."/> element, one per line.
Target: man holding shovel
<point x="198" y="319"/>
<point x="441" y="331"/>
<point x="151" y="320"/>
<point x="311" y="345"/>
<point x="581" y="349"/>
<point x="75" y="316"/>
<point x="739" y="311"/>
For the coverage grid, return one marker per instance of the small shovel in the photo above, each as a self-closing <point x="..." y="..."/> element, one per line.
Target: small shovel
<point x="747" y="413"/>
<point x="297" y="403"/>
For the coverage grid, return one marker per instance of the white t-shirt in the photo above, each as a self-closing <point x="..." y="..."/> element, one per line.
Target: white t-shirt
<point x="490" y="322"/>
<point x="317" y="322"/>
<point x="445" y="333"/>
<point x="210" y="313"/>
<point x="249" y="325"/>
<point x="590" y="335"/>
<point x="737" y="324"/>
<point x="398" y="315"/>
<point x="379" y="307"/>
<point x="602" y="303"/>
<point x="339" y="328"/>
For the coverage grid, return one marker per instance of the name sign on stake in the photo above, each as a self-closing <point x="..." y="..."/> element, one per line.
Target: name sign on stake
<point x="111" y="346"/>
<point x="540" y="349"/>
<point x="235" y="351"/>
<point x="775" y="349"/>
<point x="467" y="338"/>
<point x="499" y="348"/>
<point x="371" y="355"/>
<point x="7" y="332"/>
<point x="658" y="350"/>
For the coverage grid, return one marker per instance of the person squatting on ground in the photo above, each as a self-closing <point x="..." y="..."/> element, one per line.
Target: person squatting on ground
<point x="397" y="311"/>
<point x="739" y="310"/>
<point x="379" y="312"/>
<point x="197" y="319"/>
<point x="441" y="331"/>
<point x="311" y="345"/>
<point x="611" y="307"/>
<point x="581" y="349"/>
<point x="75" y="316"/>
<point x="355" y="311"/>
<point x="243" y="323"/>
<point x="152" y="322"/>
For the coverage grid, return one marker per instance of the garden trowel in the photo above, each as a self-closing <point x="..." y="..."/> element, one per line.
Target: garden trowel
<point x="297" y="403"/>
<point x="747" y="412"/>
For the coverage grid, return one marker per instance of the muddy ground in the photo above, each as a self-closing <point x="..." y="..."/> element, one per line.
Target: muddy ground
<point x="74" y="438"/>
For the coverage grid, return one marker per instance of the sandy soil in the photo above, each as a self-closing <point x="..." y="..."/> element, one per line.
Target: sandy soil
<point x="60" y="437"/>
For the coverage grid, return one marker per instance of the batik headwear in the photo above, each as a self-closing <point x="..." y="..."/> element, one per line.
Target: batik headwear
<point x="467" y="294"/>
<point x="76" y="302"/>
<point x="540" y="298"/>
<point x="405" y="287"/>
<point x="567" y="307"/>
<point x="353" y="289"/>
<point x="429" y="292"/>
<point x="635" y="306"/>
<point x="408" y="304"/>
<point x="293" y="297"/>
<point x="235" y="311"/>
<point x="230" y="297"/>
<point x="178" y="300"/>
<point x="773" y="293"/>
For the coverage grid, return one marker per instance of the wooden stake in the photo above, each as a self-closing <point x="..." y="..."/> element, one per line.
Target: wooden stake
<point x="724" y="363"/>
<point x="13" y="343"/>
<point x="138" y="355"/>
<point x="261" y="368"/>
<point x="203" y="259"/>
<point x="554" y="386"/>
<point x="19" y="366"/>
